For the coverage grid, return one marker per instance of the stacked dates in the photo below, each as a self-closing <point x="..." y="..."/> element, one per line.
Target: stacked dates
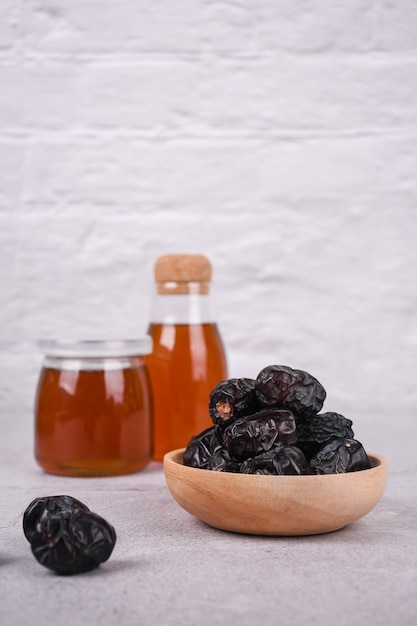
<point x="273" y="425"/>
<point x="65" y="536"/>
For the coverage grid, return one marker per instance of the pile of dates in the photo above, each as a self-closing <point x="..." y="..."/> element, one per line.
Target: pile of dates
<point x="65" y="536"/>
<point x="273" y="425"/>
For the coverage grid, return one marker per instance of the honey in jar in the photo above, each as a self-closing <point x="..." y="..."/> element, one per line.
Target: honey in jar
<point x="93" y="408"/>
<point x="188" y="358"/>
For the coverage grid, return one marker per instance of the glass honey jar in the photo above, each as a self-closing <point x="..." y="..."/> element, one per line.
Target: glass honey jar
<point x="93" y="407"/>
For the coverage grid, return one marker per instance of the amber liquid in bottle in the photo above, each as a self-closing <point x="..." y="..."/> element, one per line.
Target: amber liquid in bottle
<point x="187" y="362"/>
<point x="93" y="423"/>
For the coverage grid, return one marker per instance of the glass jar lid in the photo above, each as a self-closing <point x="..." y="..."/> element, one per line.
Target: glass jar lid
<point x="95" y="348"/>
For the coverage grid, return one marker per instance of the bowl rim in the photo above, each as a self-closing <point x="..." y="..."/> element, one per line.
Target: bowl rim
<point x="175" y="458"/>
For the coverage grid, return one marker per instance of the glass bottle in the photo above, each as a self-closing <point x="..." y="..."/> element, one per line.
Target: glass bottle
<point x="188" y="358"/>
<point x="93" y="408"/>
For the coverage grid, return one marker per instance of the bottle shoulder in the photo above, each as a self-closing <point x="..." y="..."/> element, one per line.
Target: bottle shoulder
<point x="199" y="339"/>
<point x="182" y="309"/>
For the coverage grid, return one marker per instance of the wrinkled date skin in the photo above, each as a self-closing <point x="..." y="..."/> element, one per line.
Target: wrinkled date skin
<point x="221" y="461"/>
<point x="314" y="432"/>
<point x="65" y="536"/>
<point x="202" y="447"/>
<point x="231" y="399"/>
<point x="272" y="425"/>
<point x="340" y="456"/>
<point x="281" y="461"/>
<point x="258" y="433"/>
<point x="295" y="390"/>
<point x="40" y="509"/>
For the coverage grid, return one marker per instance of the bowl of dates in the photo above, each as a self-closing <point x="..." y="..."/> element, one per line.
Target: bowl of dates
<point x="274" y="462"/>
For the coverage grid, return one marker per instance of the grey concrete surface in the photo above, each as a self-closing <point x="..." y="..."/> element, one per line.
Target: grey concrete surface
<point x="169" y="568"/>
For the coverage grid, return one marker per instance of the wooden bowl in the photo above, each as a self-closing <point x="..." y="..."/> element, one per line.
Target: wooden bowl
<point x="275" y="505"/>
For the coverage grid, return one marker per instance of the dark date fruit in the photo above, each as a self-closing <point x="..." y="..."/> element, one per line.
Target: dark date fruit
<point x="287" y="388"/>
<point x="281" y="461"/>
<point x="221" y="461"/>
<point x="201" y="448"/>
<point x="254" y="434"/>
<point x="231" y="399"/>
<point x="65" y="536"/>
<point x="41" y="508"/>
<point x="272" y="425"/>
<point x="340" y="456"/>
<point x="315" y="431"/>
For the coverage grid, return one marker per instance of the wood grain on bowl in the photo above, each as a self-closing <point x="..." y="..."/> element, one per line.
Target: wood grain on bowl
<point x="275" y="505"/>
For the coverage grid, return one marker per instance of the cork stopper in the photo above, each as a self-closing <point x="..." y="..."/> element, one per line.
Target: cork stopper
<point x="182" y="274"/>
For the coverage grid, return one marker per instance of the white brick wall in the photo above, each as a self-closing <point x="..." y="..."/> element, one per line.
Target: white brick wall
<point x="277" y="137"/>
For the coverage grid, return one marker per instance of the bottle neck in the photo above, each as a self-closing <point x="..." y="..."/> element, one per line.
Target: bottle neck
<point x="191" y="308"/>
